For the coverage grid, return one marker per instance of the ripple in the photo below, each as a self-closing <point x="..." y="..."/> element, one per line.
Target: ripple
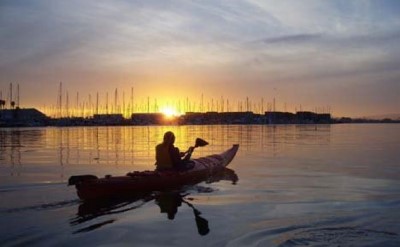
<point x="351" y="230"/>
<point x="329" y="236"/>
<point x="30" y="237"/>
<point x="29" y="186"/>
<point x="45" y="206"/>
<point x="342" y="236"/>
<point x="263" y="237"/>
<point x="94" y="226"/>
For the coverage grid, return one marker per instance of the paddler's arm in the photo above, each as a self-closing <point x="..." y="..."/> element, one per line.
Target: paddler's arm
<point x="190" y="150"/>
<point x="188" y="153"/>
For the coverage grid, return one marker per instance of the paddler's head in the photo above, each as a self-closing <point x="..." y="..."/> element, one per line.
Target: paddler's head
<point x="169" y="138"/>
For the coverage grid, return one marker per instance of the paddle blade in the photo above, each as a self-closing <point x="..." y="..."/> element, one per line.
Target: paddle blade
<point x="200" y="143"/>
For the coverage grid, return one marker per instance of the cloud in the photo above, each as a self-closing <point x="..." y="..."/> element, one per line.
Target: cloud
<point x="326" y="55"/>
<point x="292" y="39"/>
<point x="249" y="42"/>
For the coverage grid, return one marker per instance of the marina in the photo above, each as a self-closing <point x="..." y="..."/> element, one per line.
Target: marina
<point x="89" y="114"/>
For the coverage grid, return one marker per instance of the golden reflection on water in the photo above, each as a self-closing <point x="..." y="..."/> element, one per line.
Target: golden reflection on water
<point x="133" y="146"/>
<point x="127" y="145"/>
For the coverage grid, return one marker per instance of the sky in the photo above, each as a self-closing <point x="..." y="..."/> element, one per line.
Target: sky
<point x="339" y="55"/>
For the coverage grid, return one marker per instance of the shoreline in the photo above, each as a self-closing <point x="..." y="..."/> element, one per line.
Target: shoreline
<point x="31" y="117"/>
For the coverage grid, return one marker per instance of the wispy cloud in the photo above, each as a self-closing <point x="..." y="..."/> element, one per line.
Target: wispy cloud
<point x="292" y="39"/>
<point x="258" y="43"/>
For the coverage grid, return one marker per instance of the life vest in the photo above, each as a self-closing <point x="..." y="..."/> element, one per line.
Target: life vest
<point x="163" y="157"/>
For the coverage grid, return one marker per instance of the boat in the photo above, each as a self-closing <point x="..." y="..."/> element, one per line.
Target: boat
<point x="90" y="187"/>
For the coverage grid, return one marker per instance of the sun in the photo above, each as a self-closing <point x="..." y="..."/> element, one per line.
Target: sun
<point x="169" y="112"/>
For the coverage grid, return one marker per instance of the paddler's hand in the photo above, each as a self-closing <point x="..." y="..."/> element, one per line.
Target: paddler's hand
<point x="190" y="150"/>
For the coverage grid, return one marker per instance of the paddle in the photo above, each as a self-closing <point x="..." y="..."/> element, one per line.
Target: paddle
<point x="201" y="223"/>
<point x="198" y="143"/>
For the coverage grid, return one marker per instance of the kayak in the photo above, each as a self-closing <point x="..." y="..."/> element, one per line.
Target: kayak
<point x="90" y="187"/>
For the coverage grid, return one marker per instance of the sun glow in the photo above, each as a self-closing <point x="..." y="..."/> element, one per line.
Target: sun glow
<point x="169" y="112"/>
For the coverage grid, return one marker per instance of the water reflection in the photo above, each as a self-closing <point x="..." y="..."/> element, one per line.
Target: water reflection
<point x="168" y="202"/>
<point x="61" y="152"/>
<point x="135" y="144"/>
<point x="299" y="185"/>
<point x="12" y="145"/>
<point x="88" y="211"/>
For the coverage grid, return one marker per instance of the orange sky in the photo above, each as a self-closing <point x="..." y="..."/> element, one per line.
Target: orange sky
<point x="341" y="55"/>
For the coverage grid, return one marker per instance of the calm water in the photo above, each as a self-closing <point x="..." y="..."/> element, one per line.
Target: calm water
<point x="322" y="185"/>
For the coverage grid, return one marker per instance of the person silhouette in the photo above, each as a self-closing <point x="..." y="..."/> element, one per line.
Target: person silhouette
<point x="168" y="157"/>
<point x="169" y="202"/>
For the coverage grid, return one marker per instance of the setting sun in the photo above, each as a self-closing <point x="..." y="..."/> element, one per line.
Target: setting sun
<point x="169" y="112"/>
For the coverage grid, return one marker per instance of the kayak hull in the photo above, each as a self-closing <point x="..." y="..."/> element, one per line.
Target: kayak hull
<point x="90" y="187"/>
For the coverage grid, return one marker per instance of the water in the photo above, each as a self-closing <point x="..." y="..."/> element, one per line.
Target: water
<point x="318" y="185"/>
